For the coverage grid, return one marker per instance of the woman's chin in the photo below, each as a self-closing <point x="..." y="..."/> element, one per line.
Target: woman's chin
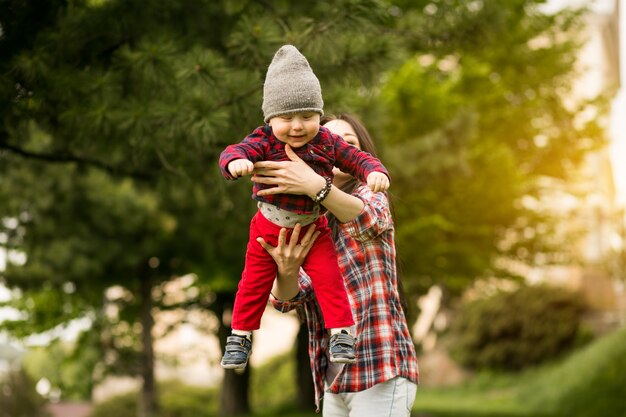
<point x="340" y="177"/>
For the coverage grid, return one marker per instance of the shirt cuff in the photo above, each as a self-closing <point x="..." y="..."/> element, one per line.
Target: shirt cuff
<point x="287" y="305"/>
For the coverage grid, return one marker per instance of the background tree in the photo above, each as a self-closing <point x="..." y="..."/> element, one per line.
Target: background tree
<point x="113" y="118"/>
<point x="114" y="112"/>
<point x="18" y="397"/>
<point x="476" y="119"/>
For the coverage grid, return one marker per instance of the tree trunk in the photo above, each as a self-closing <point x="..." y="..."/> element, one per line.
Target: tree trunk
<point x="234" y="399"/>
<point x="304" y="378"/>
<point x="147" y="406"/>
<point x="234" y="396"/>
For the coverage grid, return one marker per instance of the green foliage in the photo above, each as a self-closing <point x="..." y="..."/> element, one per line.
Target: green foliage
<point x="473" y="121"/>
<point x="68" y="368"/>
<point x="272" y="388"/>
<point x="113" y="116"/>
<point x="587" y="382"/>
<point x="124" y="405"/>
<point x="273" y="384"/>
<point x="511" y="330"/>
<point x="18" y="397"/>
<point x="114" y="112"/>
<point x="177" y="400"/>
<point x="429" y="97"/>
<point x="115" y="134"/>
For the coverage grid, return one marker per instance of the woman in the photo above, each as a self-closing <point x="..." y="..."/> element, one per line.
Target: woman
<point x="384" y="379"/>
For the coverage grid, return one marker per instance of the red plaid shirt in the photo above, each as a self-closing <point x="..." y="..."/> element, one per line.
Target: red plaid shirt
<point x="367" y="258"/>
<point x="321" y="153"/>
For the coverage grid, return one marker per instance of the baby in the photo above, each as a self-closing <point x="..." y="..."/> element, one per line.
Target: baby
<point x="292" y="108"/>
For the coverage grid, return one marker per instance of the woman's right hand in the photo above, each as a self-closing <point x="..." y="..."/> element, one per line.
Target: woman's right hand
<point x="289" y="177"/>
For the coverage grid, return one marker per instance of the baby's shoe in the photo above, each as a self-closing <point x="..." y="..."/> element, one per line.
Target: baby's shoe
<point x="341" y="348"/>
<point x="237" y="352"/>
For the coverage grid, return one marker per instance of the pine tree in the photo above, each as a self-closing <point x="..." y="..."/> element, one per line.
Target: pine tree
<point x="113" y="118"/>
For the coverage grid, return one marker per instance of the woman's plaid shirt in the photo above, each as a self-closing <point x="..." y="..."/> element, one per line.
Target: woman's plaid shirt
<point x="367" y="258"/>
<point x="322" y="153"/>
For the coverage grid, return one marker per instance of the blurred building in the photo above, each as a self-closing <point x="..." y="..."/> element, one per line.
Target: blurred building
<point x="593" y="206"/>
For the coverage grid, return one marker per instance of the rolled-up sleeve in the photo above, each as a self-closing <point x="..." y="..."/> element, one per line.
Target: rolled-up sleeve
<point x="304" y="295"/>
<point x="374" y="219"/>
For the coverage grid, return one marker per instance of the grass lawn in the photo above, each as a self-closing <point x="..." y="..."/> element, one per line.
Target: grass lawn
<point x="590" y="382"/>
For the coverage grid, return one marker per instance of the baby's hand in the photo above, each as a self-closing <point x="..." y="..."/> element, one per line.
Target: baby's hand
<point x="377" y="181"/>
<point x="240" y="167"/>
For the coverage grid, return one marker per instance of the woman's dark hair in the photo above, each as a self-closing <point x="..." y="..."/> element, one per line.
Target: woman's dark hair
<point x="365" y="141"/>
<point x="367" y="144"/>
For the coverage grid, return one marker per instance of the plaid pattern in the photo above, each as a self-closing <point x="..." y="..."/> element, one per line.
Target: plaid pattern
<point x="367" y="260"/>
<point x="322" y="153"/>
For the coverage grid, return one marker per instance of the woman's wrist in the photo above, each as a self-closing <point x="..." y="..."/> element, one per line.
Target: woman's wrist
<point x="316" y="186"/>
<point x="324" y="191"/>
<point x="286" y="286"/>
<point x="345" y="207"/>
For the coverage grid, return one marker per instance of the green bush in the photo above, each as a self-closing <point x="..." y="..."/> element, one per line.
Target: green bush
<point x="513" y="329"/>
<point x="272" y="392"/>
<point x="589" y="383"/>
<point x="124" y="405"/>
<point x="176" y="400"/>
<point x="273" y="384"/>
<point x="18" y="397"/>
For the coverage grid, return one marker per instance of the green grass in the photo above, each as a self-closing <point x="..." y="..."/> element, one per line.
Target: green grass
<point x="591" y="382"/>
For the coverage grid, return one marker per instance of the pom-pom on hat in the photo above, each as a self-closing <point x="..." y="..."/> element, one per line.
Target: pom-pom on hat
<point x="290" y="85"/>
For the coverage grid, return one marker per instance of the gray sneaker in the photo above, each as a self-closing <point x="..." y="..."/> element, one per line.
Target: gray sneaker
<point x="236" y="352"/>
<point x="341" y="348"/>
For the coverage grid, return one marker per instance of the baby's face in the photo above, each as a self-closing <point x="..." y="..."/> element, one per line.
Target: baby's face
<point x="296" y="129"/>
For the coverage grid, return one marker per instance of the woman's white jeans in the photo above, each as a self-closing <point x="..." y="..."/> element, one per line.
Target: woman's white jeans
<point x="393" y="398"/>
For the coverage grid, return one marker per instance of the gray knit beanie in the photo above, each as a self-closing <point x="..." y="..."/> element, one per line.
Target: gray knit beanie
<point x="290" y="85"/>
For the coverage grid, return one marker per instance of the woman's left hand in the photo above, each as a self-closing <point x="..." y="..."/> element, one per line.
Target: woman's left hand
<point x="289" y="177"/>
<point x="289" y="256"/>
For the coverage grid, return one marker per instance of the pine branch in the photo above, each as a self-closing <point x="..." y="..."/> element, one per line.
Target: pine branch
<point x="234" y="99"/>
<point x="167" y="165"/>
<point x="63" y="158"/>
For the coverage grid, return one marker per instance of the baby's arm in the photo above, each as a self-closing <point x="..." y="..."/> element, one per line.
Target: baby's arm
<point x="361" y="165"/>
<point x="243" y="154"/>
<point x="377" y="181"/>
<point x="240" y="167"/>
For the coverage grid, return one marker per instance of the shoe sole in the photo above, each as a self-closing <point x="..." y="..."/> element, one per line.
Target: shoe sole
<point x="343" y="360"/>
<point x="234" y="365"/>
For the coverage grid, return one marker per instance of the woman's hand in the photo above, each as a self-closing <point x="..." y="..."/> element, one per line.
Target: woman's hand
<point x="289" y="177"/>
<point x="289" y="258"/>
<point x="296" y="177"/>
